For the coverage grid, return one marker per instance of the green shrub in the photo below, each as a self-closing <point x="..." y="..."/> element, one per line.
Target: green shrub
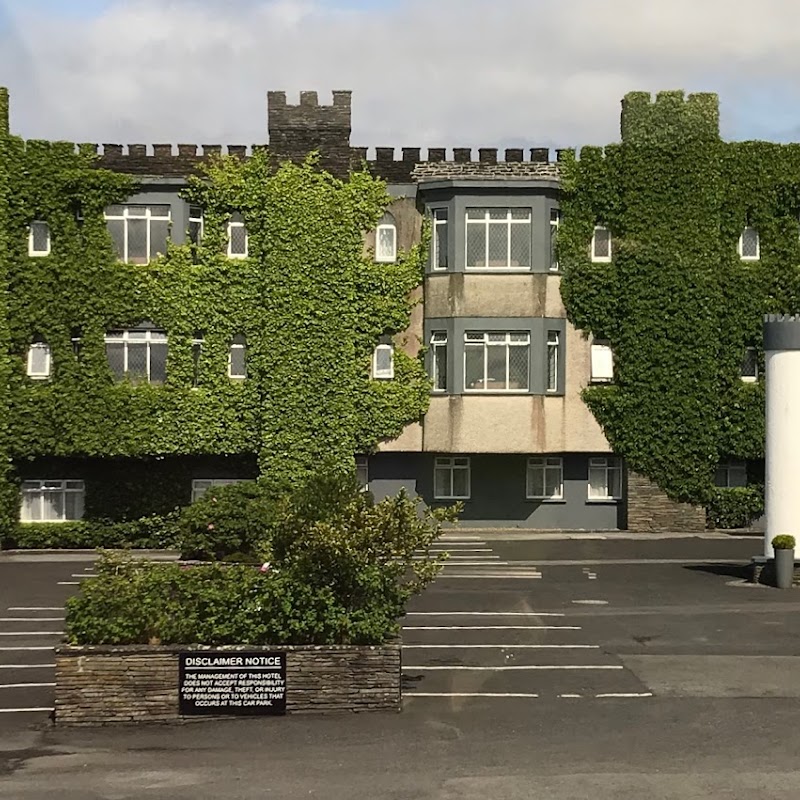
<point x="228" y="523"/>
<point x="783" y="541"/>
<point x="154" y="532"/>
<point x="735" y="507"/>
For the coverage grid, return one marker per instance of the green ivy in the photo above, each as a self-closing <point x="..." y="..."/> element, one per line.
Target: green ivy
<point x="677" y="303"/>
<point x="311" y="303"/>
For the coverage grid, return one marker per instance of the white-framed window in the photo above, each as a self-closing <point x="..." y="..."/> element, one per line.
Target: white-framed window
<point x="497" y="362"/>
<point x="555" y="222"/>
<point x="553" y="346"/>
<point x="138" y="354"/>
<point x="238" y="240"/>
<point x="439" y="243"/>
<point x="383" y="362"/>
<point x="196" y="225"/>
<point x="362" y="471"/>
<point x="451" y="478"/>
<point x="545" y="478"/>
<point x="439" y="360"/>
<point x="749" y="368"/>
<point x="39" y="238"/>
<point x="52" y="501"/>
<point x="237" y="358"/>
<point x="386" y="240"/>
<point x="749" y="246"/>
<point x="39" y="361"/>
<point x="498" y="238"/>
<point x="605" y="478"/>
<point x="601" y="244"/>
<point x="602" y="362"/>
<point x="201" y="485"/>
<point x="198" y="343"/>
<point x="139" y="232"/>
<point x="730" y="473"/>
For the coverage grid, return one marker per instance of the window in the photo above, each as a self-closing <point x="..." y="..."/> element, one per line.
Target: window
<point x="545" y="479"/>
<point x="555" y="221"/>
<point x="602" y="362"/>
<point x="553" y="344"/>
<point x="139" y="354"/>
<point x="198" y="341"/>
<point x="749" y="368"/>
<point x="496" y="362"/>
<point x="52" y="501"/>
<point x="201" y="485"/>
<point x="362" y="471"/>
<point x="39" y="360"/>
<point x="237" y="358"/>
<point x="498" y="238"/>
<point x="439" y="254"/>
<point x="386" y="240"/>
<point x="605" y="479"/>
<point x="730" y="473"/>
<point x="749" y="245"/>
<point x="139" y="233"/>
<point x="196" y="225"/>
<point x="439" y="360"/>
<point x="451" y="479"/>
<point x="39" y="239"/>
<point x="238" y="243"/>
<point x="601" y="244"/>
<point x="383" y="362"/>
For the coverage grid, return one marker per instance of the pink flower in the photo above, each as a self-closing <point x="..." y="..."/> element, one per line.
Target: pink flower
<point x="265" y="567"/>
<point x="211" y="526"/>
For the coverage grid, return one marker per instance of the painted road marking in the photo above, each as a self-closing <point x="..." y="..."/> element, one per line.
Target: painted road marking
<point x="25" y="685"/>
<point x="27" y="666"/>
<point x="468" y="694"/>
<point x="489" y="628"/>
<point x="570" y="695"/>
<point x="36" y="608"/>
<point x="489" y="574"/>
<point x="24" y="710"/>
<point x="14" y="649"/>
<point x="32" y="633"/>
<point x="625" y="694"/>
<point x="461" y="550"/>
<point x="590" y="602"/>
<point x="517" y="667"/>
<point x="500" y="646"/>
<point x="93" y="575"/>
<point x="69" y="583"/>
<point x="31" y="619"/>
<point x="485" y="614"/>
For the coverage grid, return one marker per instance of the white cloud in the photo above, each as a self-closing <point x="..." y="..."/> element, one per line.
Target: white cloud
<point x="449" y="73"/>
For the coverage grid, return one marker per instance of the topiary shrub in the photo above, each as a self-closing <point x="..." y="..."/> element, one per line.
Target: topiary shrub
<point x="783" y="541"/>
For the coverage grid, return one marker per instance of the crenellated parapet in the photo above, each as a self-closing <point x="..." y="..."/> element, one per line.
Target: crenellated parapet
<point x="162" y="159"/>
<point x="669" y="118"/>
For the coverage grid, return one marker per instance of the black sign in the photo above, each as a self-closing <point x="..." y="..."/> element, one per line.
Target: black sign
<point x="216" y="682"/>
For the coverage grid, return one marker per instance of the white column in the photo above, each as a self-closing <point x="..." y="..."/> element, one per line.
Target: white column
<point x="782" y="478"/>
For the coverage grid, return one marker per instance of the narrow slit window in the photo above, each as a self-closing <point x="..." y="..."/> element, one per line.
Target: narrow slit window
<point x="749" y="245"/>
<point x="39" y="361"/>
<point x="439" y="244"/>
<point x="196" y="225"/>
<point x="39" y="239"/>
<point x="553" y="344"/>
<point x="749" y="368"/>
<point x="238" y="240"/>
<point x="386" y="240"/>
<point x="555" y="222"/>
<point x="601" y="244"/>
<point x="439" y="361"/>
<point x="602" y="366"/>
<point x="237" y="358"/>
<point x="383" y="362"/>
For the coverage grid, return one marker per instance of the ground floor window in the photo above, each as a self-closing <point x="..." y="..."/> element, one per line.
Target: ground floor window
<point x="545" y="478"/>
<point x="52" y="501"/>
<point x="731" y="473"/>
<point x="605" y="478"/>
<point x="451" y="479"/>
<point x="201" y="485"/>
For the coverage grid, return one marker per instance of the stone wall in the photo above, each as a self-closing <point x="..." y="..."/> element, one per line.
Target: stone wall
<point x="651" y="511"/>
<point x="99" y="685"/>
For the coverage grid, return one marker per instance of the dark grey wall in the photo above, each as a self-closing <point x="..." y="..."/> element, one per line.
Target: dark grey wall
<point x="498" y="492"/>
<point x="166" y="195"/>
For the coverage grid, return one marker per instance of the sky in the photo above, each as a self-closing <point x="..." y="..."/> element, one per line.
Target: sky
<point x="424" y="73"/>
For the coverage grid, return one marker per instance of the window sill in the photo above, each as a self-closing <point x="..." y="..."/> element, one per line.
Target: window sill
<point x="449" y="499"/>
<point x="559" y="501"/>
<point x="48" y="521"/>
<point x="603" y="500"/>
<point x="478" y="392"/>
<point x="498" y="269"/>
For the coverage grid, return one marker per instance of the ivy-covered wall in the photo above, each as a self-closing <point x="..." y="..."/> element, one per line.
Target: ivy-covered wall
<point x="311" y="306"/>
<point x="677" y="302"/>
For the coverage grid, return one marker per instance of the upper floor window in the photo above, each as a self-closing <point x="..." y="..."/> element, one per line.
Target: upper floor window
<point x="139" y="232"/>
<point x="39" y="239"/>
<point x="553" y="347"/>
<point x="497" y="362"/>
<point x="237" y="358"/>
<point x="451" y="478"/>
<point x="749" y="368"/>
<point x="52" y="501"/>
<point x="605" y="478"/>
<point x="730" y="473"/>
<point x="362" y="471"/>
<point x="383" y="362"/>
<point x="198" y="342"/>
<point x="201" y="485"/>
<point x="498" y="238"/>
<point x="555" y="222"/>
<point x="39" y="360"/>
<point x="138" y="354"/>
<point x="196" y="225"/>
<point x="439" y="360"/>
<point x="386" y="240"/>
<point x="545" y="478"/>
<point x="439" y="244"/>
<point x="602" y="362"/>
<point x="238" y="240"/>
<point x="749" y="245"/>
<point x="601" y="244"/>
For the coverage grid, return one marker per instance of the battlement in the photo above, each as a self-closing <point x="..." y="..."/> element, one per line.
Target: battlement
<point x="671" y="116"/>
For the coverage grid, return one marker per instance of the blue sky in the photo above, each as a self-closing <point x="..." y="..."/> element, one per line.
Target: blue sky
<point x="443" y="73"/>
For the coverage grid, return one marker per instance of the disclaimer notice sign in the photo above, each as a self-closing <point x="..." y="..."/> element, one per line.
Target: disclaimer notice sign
<point x="234" y="683"/>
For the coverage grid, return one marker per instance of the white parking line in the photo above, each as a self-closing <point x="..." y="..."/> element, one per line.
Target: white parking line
<point x="36" y="608"/>
<point x="590" y="602"/>
<point x="32" y="633"/>
<point x="501" y="646"/>
<point x="24" y="710"/>
<point x="31" y="619"/>
<point x="518" y="667"/>
<point x="69" y="583"/>
<point x="468" y="694"/>
<point x="625" y="694"/>
<point x="15" y="649"/>
<point x="492" y="628"/>
<point x="570" y="695"/>
<point x="485" y="614"/>
<point x="25" y="685"/>
<point x="93" y="575"/>
<point x="27" y="666"/>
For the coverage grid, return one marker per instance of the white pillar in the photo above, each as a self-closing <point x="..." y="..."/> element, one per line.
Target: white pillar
<point x="782" y="467"/>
